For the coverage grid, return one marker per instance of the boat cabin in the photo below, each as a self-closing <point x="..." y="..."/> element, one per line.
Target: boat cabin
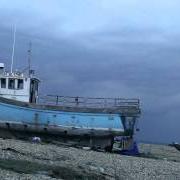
<point x="18" y="86"/>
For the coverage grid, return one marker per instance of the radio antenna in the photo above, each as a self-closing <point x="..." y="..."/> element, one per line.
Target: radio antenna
<point x="14" y="42"/>
<point x="29" y="58"/>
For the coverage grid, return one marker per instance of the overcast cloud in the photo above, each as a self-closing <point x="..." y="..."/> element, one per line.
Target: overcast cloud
<point x="103" y="48"/>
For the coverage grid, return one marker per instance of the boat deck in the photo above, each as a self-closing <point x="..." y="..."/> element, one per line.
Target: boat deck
<point x="102" y="105"/>
<point x="130" y="107"/>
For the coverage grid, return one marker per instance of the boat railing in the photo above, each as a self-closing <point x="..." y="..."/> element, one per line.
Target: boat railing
<point x="71" y="101"/>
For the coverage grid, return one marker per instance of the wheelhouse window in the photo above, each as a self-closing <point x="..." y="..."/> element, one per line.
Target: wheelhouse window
<point x="20" y="84"/>
<point x="3" y="82"/>
<point x="11" y="84"/>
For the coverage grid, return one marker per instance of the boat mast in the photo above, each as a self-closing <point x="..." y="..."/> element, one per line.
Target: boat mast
<point x="14" y="41"/>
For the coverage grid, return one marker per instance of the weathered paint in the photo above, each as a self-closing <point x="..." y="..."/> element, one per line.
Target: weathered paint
<point x="26" y="115"/>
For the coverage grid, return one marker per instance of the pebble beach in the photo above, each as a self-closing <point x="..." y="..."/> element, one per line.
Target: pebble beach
<point x="26" y="161"/>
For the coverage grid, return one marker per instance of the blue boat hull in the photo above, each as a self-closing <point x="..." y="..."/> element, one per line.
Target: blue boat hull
<point x="30" y="118"/>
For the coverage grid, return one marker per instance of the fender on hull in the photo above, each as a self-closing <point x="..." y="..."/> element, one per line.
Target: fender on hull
<point x="59" y="130"/>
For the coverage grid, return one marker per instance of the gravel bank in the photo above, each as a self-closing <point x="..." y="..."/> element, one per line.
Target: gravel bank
<point x="157" y="151"/>
<point x="24" y="160"/>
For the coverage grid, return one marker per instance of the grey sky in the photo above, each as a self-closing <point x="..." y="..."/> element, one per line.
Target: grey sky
<point x="103" y="48"/>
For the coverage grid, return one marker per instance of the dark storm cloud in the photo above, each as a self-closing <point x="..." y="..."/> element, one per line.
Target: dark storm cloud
<point x="118" y="60"/>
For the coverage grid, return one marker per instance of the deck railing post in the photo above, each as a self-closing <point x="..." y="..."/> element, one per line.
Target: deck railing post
<point x="57" y="99"/>
<point x="115" y="102"/>
<point x="77" y="100"/>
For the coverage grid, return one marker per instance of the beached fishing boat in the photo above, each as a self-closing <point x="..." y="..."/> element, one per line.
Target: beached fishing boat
<point x="94" y="121"/>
